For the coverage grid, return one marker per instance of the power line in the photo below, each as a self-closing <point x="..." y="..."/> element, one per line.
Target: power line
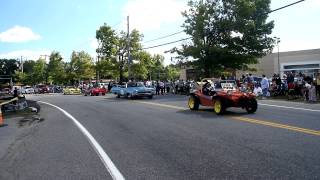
<point x="191" y="37"/>
<point x="167" y="43"/>
<point x="163" y="37"/>
<point x="285" y="6"/>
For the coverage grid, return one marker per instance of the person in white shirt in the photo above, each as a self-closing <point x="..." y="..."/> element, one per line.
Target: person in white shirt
<point x="264" y="85"/>
<point x="257" y="90"/>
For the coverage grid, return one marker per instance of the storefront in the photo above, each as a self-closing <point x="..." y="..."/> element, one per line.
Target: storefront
<point x="308" y="68"/>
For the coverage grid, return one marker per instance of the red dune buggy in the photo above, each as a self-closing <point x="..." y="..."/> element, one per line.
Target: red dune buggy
<point x="220" y="95"/>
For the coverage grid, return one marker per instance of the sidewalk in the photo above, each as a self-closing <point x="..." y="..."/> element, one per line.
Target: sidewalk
<point x="288" y="103"/>
<point x="16" y="124"/>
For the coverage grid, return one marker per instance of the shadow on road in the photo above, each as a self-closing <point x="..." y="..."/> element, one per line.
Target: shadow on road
<point x="209" y="113"/>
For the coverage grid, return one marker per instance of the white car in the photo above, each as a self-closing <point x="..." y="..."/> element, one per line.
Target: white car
<point x="27" y="90"/>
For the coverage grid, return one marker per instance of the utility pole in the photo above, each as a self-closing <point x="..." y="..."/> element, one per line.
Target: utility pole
<point x="128" y="48"/>
<point x="277" y="42"/>
<point x="97" y="70"/>
<point x="21" y="61"/>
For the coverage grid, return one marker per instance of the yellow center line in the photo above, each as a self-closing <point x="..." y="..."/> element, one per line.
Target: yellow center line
<point x="277" y="125"/>
<point x="243" y="119"/>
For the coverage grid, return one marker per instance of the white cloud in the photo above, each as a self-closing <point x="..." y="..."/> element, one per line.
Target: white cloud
<point x="26" y="54"/>
<point x="148" y="15"/>
<point x="18" y="34"/>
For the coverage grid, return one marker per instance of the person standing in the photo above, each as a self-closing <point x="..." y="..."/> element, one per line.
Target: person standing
<point x="318" y="84"/>
<point x="157" y="88"/>
<point x="312" y="93"/>
<point x="264" y="85"/>
<point x="15" y="92"/>
<point x="161" y="87"/>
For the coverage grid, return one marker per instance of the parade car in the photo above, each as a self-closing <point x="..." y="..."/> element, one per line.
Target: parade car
<point x="95" y="91"/>
<point x="27" y="90"/>
<point x="133" y="90"/>
<point x="69" y="90"/>
<point x="220" y="95"/>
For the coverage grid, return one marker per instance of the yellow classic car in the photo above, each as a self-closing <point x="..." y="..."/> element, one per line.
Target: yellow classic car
<point x="71" y="90"/>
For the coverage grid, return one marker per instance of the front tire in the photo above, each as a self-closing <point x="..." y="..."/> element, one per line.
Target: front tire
<point x="218" y="107"/>
<point x="150" y="97"/>
<point x="193" y="103"/>
<point x="252" y="106"/>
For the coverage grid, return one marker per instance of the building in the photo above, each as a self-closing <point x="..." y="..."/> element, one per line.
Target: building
<point x="304" y="61"/>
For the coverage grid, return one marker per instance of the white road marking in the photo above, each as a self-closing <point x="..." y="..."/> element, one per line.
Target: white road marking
<point x="288" y="107"/>
<point x="112" y="169"/>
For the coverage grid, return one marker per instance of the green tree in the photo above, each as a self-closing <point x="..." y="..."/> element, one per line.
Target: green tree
<point x="158" y="70"/>
<point x="39" y="72"/>
<point x="80" y="67"/>
<point x="172" y="72"/>
<point x="107" y="51"/>
<point x="28" y="65"/>
<point x="21" y="77"/>
<point x="8" y="66"/>
<point x="112" y="51"/>
<point x="227" y="34"/>
<point x="56" y="70"/>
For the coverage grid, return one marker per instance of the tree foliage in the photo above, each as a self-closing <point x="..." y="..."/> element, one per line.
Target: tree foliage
<point x="226" y="34"/>
<point x="56" y="68"/>
<point x="80" y="67"/>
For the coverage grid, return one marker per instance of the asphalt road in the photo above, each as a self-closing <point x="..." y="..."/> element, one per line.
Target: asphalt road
<point x="162" y="139"/>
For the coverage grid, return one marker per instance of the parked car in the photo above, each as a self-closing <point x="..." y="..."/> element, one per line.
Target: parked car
<point x="27" y="90"/>
<point x="221" y="94"/>
<point x="133" y="90"/>
<point x="69" y="90"/>
<point x="42" y="89"/>
<point x="95" y="91"/>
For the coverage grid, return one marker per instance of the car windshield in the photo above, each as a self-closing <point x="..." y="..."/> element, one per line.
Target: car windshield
<point x="224" y="85"/>
<point x="138" y="84"/>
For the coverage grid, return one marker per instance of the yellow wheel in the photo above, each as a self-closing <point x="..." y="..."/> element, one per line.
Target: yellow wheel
<point x="193" y="103"/>
<point x="218" y="107"/>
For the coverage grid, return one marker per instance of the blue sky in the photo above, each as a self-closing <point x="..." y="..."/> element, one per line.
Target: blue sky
<point x="37" y="27"/>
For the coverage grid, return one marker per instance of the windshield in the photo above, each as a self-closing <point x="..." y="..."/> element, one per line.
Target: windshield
<point x="138" y="84"/>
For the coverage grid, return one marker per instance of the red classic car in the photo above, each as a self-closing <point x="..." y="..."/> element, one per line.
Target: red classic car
<point x="221" y="94"/>
<point x="96" y="91"/>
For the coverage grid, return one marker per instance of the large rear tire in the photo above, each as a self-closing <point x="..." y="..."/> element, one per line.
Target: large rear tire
<point x="252" y="106"/>
<point x="218" y="106"/>
<point x="193" y="103"/>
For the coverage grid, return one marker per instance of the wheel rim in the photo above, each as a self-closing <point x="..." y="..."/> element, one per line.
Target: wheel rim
<point x="217" y="106"/>
<point x="191" y="102"/>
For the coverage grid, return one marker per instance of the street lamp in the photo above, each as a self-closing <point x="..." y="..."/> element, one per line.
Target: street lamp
<point x="277" y="43"/>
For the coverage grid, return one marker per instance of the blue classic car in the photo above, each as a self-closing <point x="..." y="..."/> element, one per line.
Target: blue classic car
<point x="132" y="90"/>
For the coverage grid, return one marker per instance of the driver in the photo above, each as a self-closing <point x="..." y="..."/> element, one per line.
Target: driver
<point x="206" y="88"/>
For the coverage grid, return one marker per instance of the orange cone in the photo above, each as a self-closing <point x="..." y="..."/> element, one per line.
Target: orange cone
<point x="1" y="119"/>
